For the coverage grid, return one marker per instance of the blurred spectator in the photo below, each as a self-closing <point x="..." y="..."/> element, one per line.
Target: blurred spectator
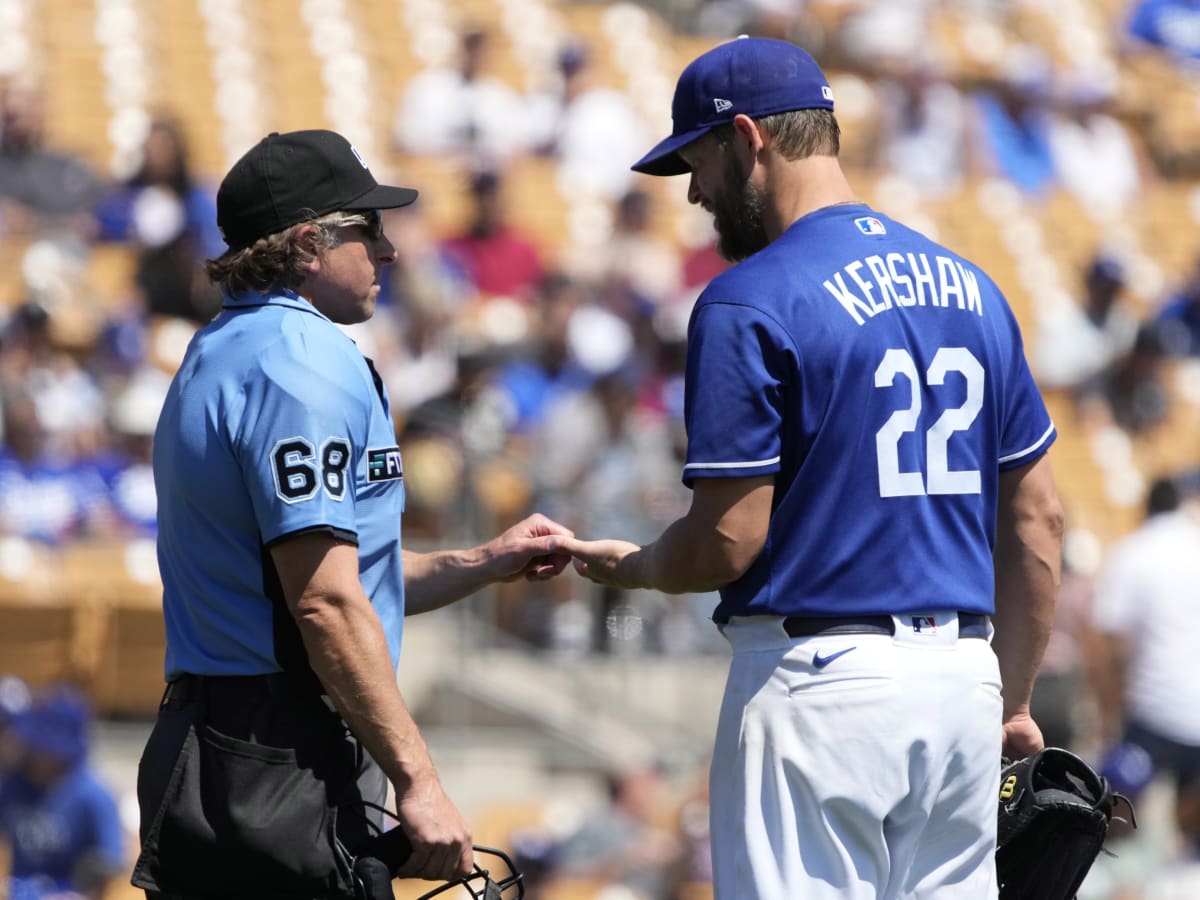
<point x="870" y="30"/>
<point x="45" y="495"/>
<point x="538" y="396"/>
<point x="129" y="505"/>
<point x="1011" y="127"/>
<point x="633" y="260"/>
<point x="533" y="852"/>
<point x="444" y="437"/>
<point x="1130" y="392"/>
<point x="498" y="260"/>
<point x="423" y="275"/>
<point x="14" y="700"/>
<point x="1060" y="702"/>
<point x="59" y="821"/>
<point x="1172" y="26"/>
<point x="1179" y="318"/>
<point x="68" y="404"/>
<point x="1147" y="614"/>
<point x="162" y="198"/>
<point x="53" y="416"/>
<point x="423" y="297"/>
<point x="1076" y="341"/>
<point x="923" y="128"/>
<point x="574" y="342"/>
<point x="593" y="131"/>
<point x="764" y="18"/>
<point x="172" y="221"/>
<point x="1096" y="156"/>
<point x="626" y="842"/>
<point x="605" y="464"/>
<point x="460" y="110"/>
<point x="41" y="189"/>
<point x="694" y="832"/>
<point x="702" y="264"/>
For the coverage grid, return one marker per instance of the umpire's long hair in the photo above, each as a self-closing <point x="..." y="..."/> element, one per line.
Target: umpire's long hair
<point x="278" y="260"/>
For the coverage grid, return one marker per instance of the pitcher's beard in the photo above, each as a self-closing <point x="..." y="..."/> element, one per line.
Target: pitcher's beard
<point x="740" y="229"/>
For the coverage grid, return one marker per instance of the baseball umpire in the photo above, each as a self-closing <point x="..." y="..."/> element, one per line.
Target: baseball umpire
<point x="871" y="496"/>
<point x="280" y="492"/>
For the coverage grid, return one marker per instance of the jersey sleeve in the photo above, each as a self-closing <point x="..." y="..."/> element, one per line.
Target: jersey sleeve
<point x="733" y="393"/>
<point x="1027" y="430"/>
<point x="301" y="443"/>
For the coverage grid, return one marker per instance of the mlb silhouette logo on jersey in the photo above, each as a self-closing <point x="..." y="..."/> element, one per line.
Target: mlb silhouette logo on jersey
<point x="924" y="625"/>
<point x="870" y="225"/>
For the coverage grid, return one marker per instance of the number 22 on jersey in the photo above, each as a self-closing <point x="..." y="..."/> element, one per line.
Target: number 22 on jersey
<point x="938" y="478"/>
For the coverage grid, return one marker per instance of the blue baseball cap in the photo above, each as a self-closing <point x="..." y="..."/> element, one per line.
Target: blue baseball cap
<point x="747" y="76"/>
<point x="56" y="726"/>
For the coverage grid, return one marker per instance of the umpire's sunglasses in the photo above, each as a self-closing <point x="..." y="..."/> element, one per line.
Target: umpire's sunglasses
<point x="372" y="222"/>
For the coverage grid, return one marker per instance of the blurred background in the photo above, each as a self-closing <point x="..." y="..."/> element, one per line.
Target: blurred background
<point x="532" y="338"/>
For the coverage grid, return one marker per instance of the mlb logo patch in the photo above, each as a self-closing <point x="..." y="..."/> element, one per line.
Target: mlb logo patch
<point x="924" y="625"/>
<point x="870" y="225"/>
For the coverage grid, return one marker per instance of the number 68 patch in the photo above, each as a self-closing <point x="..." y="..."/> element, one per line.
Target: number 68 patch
<point x="300" y="470"/>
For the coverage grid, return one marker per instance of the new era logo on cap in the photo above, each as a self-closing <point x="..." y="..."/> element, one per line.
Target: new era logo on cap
<point x="722" y="105"/>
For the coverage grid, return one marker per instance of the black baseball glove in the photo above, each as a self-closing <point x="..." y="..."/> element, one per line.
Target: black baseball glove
<point x="1054" y="816"/>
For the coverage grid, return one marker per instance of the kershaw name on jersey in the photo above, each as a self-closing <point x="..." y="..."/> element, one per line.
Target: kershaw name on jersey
<point x="873" y="285"/>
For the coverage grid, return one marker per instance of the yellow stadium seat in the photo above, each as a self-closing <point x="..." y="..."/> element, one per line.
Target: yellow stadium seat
<point x="45" y="634"/>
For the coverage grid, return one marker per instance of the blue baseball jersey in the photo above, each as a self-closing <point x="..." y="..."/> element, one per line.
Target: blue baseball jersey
<point x="274" y="425"/>
<point x="881" y="380"/>
<point x="51" y="829"/>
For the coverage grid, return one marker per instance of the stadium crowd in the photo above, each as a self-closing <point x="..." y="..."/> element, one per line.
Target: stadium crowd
<point x="526" y="376"/>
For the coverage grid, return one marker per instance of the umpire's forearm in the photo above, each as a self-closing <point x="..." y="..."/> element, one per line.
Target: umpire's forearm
<point x="439" y="578"/>
<point x="348" y="651"/>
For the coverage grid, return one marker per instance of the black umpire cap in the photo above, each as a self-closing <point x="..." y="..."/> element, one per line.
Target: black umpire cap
<point x="293" y="177"/>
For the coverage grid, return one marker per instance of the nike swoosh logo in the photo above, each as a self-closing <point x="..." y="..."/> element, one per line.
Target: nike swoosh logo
<point x="821" y="662"/>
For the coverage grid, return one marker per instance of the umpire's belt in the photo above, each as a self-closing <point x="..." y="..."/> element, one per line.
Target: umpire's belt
<point x="970" y="625"/>
<point x="187" y="688"/>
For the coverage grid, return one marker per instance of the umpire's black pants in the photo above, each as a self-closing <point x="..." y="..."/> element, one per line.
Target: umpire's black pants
<point x="275" y="717"/>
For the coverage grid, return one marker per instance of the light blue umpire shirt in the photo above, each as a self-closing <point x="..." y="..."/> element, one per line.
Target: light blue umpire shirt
<point x="275" y="425"/>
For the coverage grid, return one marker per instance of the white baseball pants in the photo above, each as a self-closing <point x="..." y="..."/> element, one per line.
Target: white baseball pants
<point x="874" y="776"/>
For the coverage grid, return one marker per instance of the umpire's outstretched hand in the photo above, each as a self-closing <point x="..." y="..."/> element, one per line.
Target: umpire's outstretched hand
<point x="531" y="549"/>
